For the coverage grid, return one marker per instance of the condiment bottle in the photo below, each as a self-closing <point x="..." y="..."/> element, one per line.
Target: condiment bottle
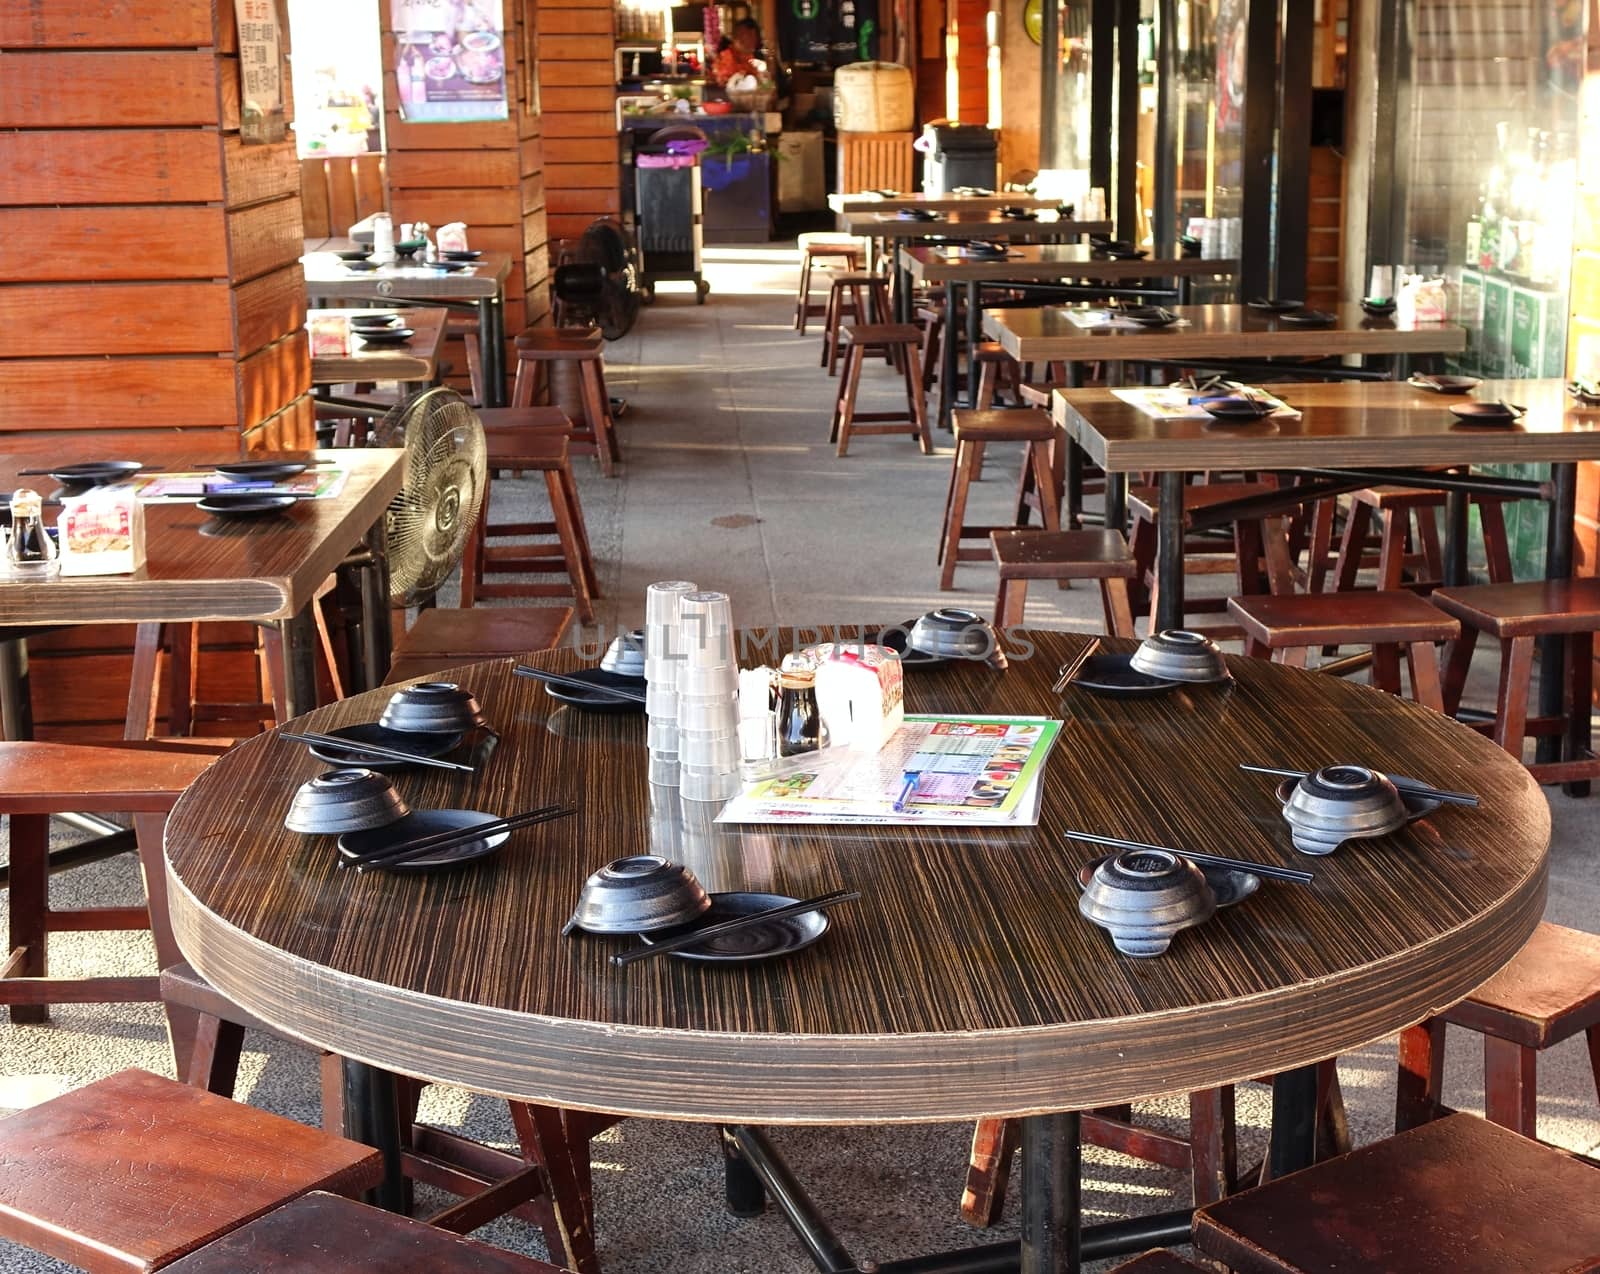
<point x="799" y="722"/>
<point x="30" y="549"/>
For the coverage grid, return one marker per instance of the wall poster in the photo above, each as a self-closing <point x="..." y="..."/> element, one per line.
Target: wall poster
<point x="261" y="117"/>
<point x="450" y="60"/>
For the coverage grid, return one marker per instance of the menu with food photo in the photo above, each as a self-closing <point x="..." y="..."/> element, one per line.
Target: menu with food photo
<point x="450" y="60"/>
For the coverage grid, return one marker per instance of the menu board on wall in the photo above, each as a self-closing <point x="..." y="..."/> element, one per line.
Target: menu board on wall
<point x="261" y="114"/>
<point x="450" y="60"/>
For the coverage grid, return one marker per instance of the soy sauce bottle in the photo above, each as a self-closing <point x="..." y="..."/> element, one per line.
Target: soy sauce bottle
<point x="30" y="548"/>
<point x="799" y="722"/>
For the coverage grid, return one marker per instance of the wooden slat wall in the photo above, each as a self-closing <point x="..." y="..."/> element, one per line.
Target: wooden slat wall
<point x="336" y="191"/>
<point x="577" y="94"/>
<point x="1325" y="236"/>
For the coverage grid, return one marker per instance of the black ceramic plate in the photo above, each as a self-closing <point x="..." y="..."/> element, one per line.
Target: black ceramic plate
<point x="983" y="248"/>
<point x="262" y="470"/>
<point x="1416" y="806"/>
<point x="426" y="823"/>
<point x="353" y="254"/>
<point x="1485" y="414"/>
<point x="361" y="266"/>
<point x="915" y="214"/>
<point x="388" y="336"/>
<point x="461" y="254"/>
<point x="898" y="639"/>
<point x="754" y="942"/>
<point x="1019" y="214"/>
<point x="1308" y="318"/>
<point x="379" y="321"/>
<point x="592" y="701"/>
<point x="1115" y="676"/>
<point x="1275" y="306"/>
<point x="1229" y="884"/>
<point x="371" y="732"/>
<point x="1444" y="384"/>
<point x="245" y="504"/>
<point x="450" y="267"/>
<point x="94" y="473"/>
<point x="1149" y="315"/>
<point x="1237" y="408"/>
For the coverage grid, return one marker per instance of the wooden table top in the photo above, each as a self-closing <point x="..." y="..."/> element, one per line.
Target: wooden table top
<point x="869" y="201"/>
<point x="416" y="360"/>
<point x="968" y="225"/>
<point x="1216" y="331"/>
<point x="963" y="982"/>
<point x="328" y="280"/>
<point x="1385" y="423"/>
<point x="198" y="567"/>
<point x="1041" y="261"/>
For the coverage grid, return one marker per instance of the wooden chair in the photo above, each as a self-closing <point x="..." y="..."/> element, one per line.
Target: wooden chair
<point x="860" y="341"/>
<point x="974" y="432"/>
<point x="860" y="295"/>
<point x="1023" y="555"/>
<point x="1283" y="626"/>
<point x="558" y="546"/>
<point x="850" y="256"/>
<point x="134" y="1171"/>
<point x="322" y="1233"/>
<point x="1456" y="1196"/>
<point x="1517" y="615"/>
<point x="538" y="350"/>
<point x="1548" y="993"/>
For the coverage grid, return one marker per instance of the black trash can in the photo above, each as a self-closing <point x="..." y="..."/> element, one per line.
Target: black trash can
<point x="960" y="155"/>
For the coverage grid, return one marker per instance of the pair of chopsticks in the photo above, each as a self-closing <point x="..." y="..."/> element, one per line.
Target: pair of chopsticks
<point x="372" y="751"/>
<point x="696" y="936"/>
<point x="435" y="842"/>
<point x="1293" y="874"/>
<point x="1071" y="670"/>
<point x="621" y="693"/>
<point x="1408" y="786"/>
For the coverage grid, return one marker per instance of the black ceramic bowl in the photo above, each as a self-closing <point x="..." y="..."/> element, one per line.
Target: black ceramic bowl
<point x="1149" y="315"/>
<point x="353" y="254"/>
<point x="1476" y="413"/>
<point x="262" y="470"/>
<point x="953" y="633"/>
<point x="360" y="266"/>
<point x="1237" y="408"/>
<point x="386" y="335"/>
<point x="1378" y="307"/>
<point x="369" y="322"/>
<point x="245" y="504"/>
<point x="433" y="707"/>
<point x="1274" y="305"/>
<point x="461" y="254"/>
<point x="350" y="799"/>
<point x="1308" y="318"/>
<point x="1443" y="384"/>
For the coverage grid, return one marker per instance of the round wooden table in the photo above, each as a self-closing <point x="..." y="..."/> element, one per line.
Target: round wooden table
<point x="962" y="984"/>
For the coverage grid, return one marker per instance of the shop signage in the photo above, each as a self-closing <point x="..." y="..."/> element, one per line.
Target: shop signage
<point x="450" y="60"/>
<point x="261" y="114"/>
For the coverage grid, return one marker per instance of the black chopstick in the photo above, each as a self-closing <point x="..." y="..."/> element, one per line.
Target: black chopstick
<point x="1405" y="785"/>
<point x="1211" y="860"/>
<point x="373" y="751"/>
<point x="578" y="683"/>
<point x="696" y="936"/>
<point x="1071" y="670"/>
<point x="422" y="846"/>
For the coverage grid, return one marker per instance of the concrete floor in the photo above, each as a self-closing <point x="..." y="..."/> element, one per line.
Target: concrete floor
<point x="728" y="480"/>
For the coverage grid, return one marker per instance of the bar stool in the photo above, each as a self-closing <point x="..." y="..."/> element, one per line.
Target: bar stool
<point x="541" y="452"/>
<point x="134" y="1171"/>
<point x="538" y="350"/>
<point x="1395" y="507"/>
<point x="1548" y="993"/>
<point x="873" y="338"/>
<point x="1207" y="557"/>
<point x="850" y="256"/>
<point x="974" y="431"/>
<point x="322" y="1233"/>
<point x="1023" y="555"/>
<point x="1283" y="626"/>
<point x="1517" y="615"/>
<point x="447" y="637"/>
<point x="996" y="370"/>
<point x="1456" y="1196"/>
<point x="865" y="298"/>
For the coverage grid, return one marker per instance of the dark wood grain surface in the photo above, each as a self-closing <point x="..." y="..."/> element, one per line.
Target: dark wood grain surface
<point x="417" y="359"/>
<point x="866" y="201"/>
<point x="1216" y="331"/>
<point x="963" y="983"/>
<point x="328" y="280"/>
<point x="198" y="567"/>
<point x="968" y="225"/>
<point x="1048" y="261"/>
<point x="1384" y="423"/>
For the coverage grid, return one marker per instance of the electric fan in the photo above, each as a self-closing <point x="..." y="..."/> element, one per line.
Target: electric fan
<point x="597" y="282"/>
<point x="447" y="470"/>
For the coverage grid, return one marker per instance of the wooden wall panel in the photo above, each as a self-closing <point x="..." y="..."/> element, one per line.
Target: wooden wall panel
<point x="128" y="318"/>
<point x="176" y="242"/>
<point x="108" y="90"/>
<point x="264" y="237"/>
<point x="413" y="169"/>
<point x="111" y="23"/>
<point x="39" y="395"/>
<point x="145" y="166"/>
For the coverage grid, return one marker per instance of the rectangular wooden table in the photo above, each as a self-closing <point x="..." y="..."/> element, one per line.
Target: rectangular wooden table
<point x="481" y="285"/>
<point x="870" y="200"/>
<point x="415" y="360"/>
<point x="261" y="570"/>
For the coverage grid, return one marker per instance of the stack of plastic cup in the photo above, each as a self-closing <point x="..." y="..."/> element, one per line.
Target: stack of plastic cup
<point x="663" y="659"/>
<point x="708" y="699"/>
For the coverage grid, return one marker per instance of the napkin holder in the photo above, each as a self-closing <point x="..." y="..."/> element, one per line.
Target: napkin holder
<point x="861" y="696"/>
<point x="451" y="237"/>
<point x="101" y="533"/>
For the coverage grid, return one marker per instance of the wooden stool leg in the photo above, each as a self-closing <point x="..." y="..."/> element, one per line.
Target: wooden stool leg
<point x="569" y="485"/>
<point x="1118" y="607"/>
<point x="1351" y="546"/>
<point x="183" y="664"/>
<point x="1386" y="667"/>
<point x="568" y="538"/>
<point x="994" y="1146"/>
<point x="1423" y="662"/>
<point x="830" y="326"/>
<point x="140" y="721"/>
<point x="522" y="386"/>
<point x="1516" y="671"/>
<point x="986" y="379"/>
<point x="917" y="400"/>
<point x="1391" y="548"/>
<point x="1421" y="1074"/>
<point x="1010" y="602"/>
<point x="1510" y="1085"/>
<point x="182" y="1022"/>
<point x="1592" y="1039"/>
<point x="1213" y="1144"/>
<point x="597" y="411"/>
<point x="969" y="456"/>
<point x="27" y="905"/>
<point x="1496" y="549"/>
<point x="1428" y="535"/>
<point x="543" y="1139"/>
<point x="853" y="358"/>
<point x="803" y="298"/>
<point x="1044" y="481"/>
<point x="1458" y="660"/>
<point x="1321" y="546"/>
<point x="214" y="1060"/>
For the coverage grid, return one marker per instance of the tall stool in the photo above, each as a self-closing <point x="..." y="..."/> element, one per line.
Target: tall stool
<point x="1548" y="993"/>
<point x="1457" y="1196"/>
<point x="872" y="338"/>
<point x="1518" y="615"/>
<point x="538" y="350"/>
<point x="1283" y="626"/>
<point x="861" y="295"/>
<point x="546" y="453"/>
<point x="1024" y="555"/>
<point x="134" y="1171"/>
<point x="447" y="637"/>
<point x="1251" y="540"/>
<point x="1395" y="507"/>
<point x="850" y="256"/>
<point x="975" y="430"/>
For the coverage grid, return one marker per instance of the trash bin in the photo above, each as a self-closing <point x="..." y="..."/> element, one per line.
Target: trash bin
<point x="959" y="155"/>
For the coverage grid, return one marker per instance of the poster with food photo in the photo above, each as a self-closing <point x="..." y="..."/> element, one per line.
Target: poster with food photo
<point x="450" y="60"/>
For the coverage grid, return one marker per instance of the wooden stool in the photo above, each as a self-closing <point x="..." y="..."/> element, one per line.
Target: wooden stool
<point x="324" y="1234"/>
<point x="1457" y="1196"/>
<point x="1395" y="507"/>
<point x="1023" y="555"/>
<point x="1517" y="615"/>
<point x="465" y="326"/>
<point x="1250" y="541"/>
<point x="974" y="430"/>
<point x="538" y="349"/>
<point x="546" y="453"/>
<point x="996" y="370"/>
<point x="1548" y="993"/>
<point x="859" y="341"/>
<point x="849" y="255"/>
<point x="41" y="779"/>
<point x="134" y="1171"/>
<point x="1159" y="1261"/>
<point x="1285" y="625"/>
<point x="453" y="637"/>
<point x="864" y="297"/>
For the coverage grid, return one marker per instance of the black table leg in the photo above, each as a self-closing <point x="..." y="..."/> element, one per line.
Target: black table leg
<point x="948" y="355"/>
<point x="1116" y="518"/>
<point x="15" y="713"/>
<point x="741" y="1187"/>
<point x="1051" y="1224"/>
<point x="372" y="1117"/>
<point x="1294" y="1121"/>
<point x="974" y="335"/>
<point x="1455" y="538"/>
<point x="1169" y="553"/>
<point x="1553" y="650"/>
<point x="376" y="617"/>
<point x="492" y="349"/>
<point x="299" y="637"/>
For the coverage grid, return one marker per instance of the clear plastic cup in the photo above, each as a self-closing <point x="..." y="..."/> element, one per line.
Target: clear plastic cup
<point x="708" y="683"/>
<point x="661" y="601"/>
<point x="664" y="771"/>
<point x="717" y="787"/>
<point x="700" y="714"/>
<point x="662" y="735"/>
<point x="660" y="701"/>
